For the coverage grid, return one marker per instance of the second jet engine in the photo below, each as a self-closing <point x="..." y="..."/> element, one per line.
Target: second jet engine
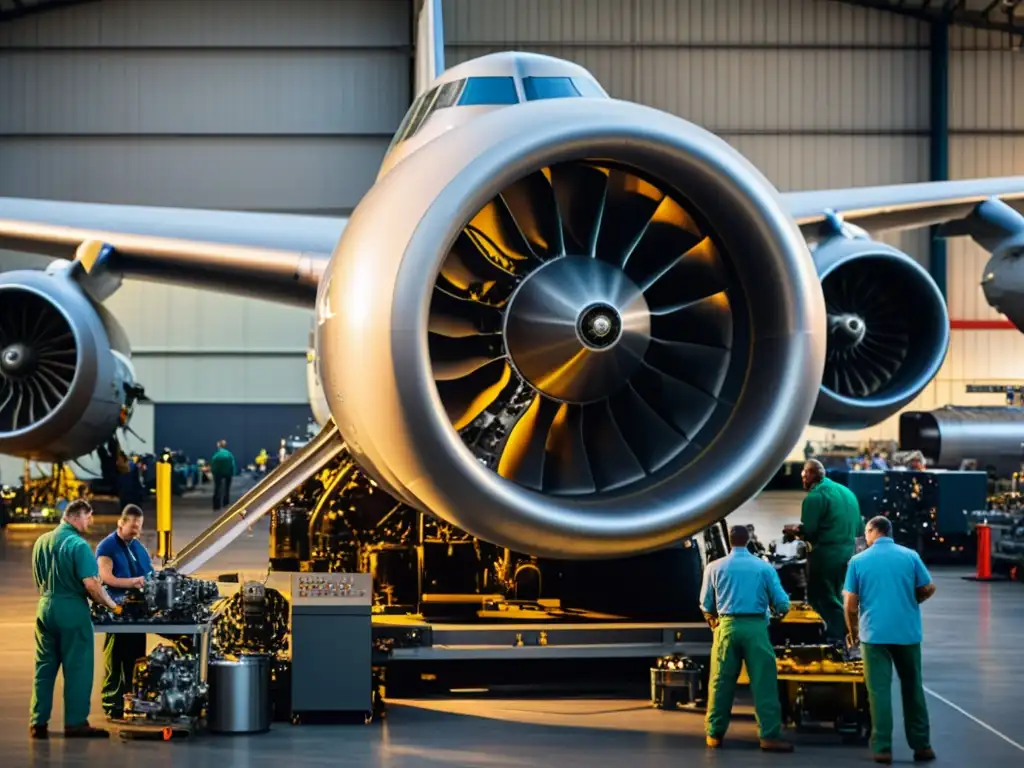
<point x="888" y="330"/>
<point x="598" y="335"/>
<point x="66" y="380"/>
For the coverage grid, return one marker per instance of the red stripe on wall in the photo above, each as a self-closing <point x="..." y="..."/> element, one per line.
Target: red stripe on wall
<point x="982" y="325"/>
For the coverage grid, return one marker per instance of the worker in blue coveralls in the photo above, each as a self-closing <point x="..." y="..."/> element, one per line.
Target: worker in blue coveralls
<point x="885" y="586"/>
<point x="123" y="564"/>
<point x="65" y="575"/>
<point x="737" y="592"/>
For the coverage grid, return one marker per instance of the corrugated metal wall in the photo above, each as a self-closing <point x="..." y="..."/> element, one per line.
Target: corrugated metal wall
<point x="817" y="94"/>
<point x="276" y="105"/>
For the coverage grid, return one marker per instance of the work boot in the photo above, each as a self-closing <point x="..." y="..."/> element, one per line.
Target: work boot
<point x="885" y="758"/>
<point x="776" y="745"/>
<point x="925" y="755"/>
<point x="38" y="732"/>
<point x="84" y="731"/>
<point x="713" y="742"/>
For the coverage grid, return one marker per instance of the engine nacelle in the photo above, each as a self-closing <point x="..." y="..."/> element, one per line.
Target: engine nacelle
<point x="582" y="329"/>
<point x="888" y="331"/>
<point x="65" y="374"/>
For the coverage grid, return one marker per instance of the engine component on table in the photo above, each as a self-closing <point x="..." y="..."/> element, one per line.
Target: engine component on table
<point x="888" y="329"/>
<point x="165" y="685"/>
<point x="254" y="621"/>
<point x="582" y="334"/>
<point x="66" y="380"/>
<point x="172" y="596"/>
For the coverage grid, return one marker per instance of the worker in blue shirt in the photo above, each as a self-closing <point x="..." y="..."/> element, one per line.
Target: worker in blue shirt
<point x="737" y="592"/>
<point x="123" y="564"/>
<point x="885" y="586"/>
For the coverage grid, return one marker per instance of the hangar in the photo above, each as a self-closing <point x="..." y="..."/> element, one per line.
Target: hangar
<point x="820" y="95"/>
<point x="289" y="107"/>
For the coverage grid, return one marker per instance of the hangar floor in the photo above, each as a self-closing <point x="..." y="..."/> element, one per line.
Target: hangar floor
<point x="972" y="672"/>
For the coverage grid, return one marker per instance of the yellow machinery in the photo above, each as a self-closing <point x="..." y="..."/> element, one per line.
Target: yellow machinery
<point x="163" y="508"/>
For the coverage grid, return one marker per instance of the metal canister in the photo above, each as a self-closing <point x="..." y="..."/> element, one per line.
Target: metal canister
<point x="240" y="694"/>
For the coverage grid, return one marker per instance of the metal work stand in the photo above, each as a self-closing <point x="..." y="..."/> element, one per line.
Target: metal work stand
<point x="200" y="634"/>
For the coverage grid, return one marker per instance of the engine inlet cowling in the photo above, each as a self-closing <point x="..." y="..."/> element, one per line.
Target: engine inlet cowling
<point x="62" y="386"/>
<point x="593" y="337"/>
<point x="888" y="331"/>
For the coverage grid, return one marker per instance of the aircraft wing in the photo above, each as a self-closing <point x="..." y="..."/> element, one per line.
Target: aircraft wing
<point x="279" y="257"/>
<point x="901" y="206"/>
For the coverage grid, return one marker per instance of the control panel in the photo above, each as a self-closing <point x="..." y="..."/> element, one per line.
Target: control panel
<point x="332" y="589"/>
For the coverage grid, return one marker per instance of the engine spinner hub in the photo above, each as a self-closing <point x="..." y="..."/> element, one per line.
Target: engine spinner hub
<point x="577" y="329"/>
<point x="848" y="328"/>
<point x="16" y="360"/>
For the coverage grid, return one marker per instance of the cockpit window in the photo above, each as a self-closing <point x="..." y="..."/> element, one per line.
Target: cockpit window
<point x="537" y="88"/>
<point x="489" y="91"/>
<point x="438" y="97"/>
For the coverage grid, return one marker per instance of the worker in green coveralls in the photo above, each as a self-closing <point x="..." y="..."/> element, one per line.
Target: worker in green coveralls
<point x="830" y="521"/>
<point x="65" y="574"/>
<point x="737" y="592"/>
<point x="885" y="586"/>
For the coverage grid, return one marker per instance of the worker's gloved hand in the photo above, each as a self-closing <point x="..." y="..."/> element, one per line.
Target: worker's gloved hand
<point x="117" y="610"/>
<point x="852" y="639"/>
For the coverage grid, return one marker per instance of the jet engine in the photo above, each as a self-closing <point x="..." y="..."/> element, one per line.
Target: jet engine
<point x="66" y="382"/>
<point x="888" y="331"/>
<point x="579" y="328"/>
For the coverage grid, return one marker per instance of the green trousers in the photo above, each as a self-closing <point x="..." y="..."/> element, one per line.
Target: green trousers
<point x="64" y="640"/>
<point x="879" y="661"/>
<point x="826" y="575"/>
<point x="738" y="640"/>
<point x="120" y="653"/>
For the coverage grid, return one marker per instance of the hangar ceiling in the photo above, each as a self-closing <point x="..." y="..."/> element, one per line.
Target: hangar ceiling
<point x="996" y="15"/>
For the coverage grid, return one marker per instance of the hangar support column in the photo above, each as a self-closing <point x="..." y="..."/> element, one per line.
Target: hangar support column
<point x="938" y="125"/>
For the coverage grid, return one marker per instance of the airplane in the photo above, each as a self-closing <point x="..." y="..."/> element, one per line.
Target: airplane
<point x="570" y="325"/>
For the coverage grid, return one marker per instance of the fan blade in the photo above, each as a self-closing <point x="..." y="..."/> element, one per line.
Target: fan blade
<point x="697" y="273"/>
<point x="699" y="365"/>
<point x="522" y="458"/>
<point x="457" y="358"/>
<point x="497" y="234"/>
<point x="531" y="201"/>
<point x="684" y="407"/>
<point x="707" y="321"/>
<point x="465" y="399"/>
<point x="671" y="231"/>
<point x="580" y="193"/>
<point x="473" y="275"/>
<point x="630" y="202"/>
<point x="649" y="436"/>
<point x="457" y="318"/>
<point x="566" y="469"/>
<point x="612" y="461"/>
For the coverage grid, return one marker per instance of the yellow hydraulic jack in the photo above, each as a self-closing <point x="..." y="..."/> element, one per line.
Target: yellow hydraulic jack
<point x="163" y="509"/>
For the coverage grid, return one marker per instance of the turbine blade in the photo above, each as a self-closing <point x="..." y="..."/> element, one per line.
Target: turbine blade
<point x="566" y="468"/>
<point x="522" y="458"/>
<point x="612" y="461"/>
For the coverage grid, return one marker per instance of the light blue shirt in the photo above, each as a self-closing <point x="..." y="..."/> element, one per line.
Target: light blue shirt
<point x="885" y="577"/>
<point x="741" y="584"/>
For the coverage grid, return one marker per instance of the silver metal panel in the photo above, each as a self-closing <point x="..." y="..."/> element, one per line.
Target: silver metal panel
<point x="181" y="320"/>
<point x="245" y="378"/>
<point x="259" y="173"/>
<point x="205" y="92"/>
<point x="225" y="23"/>
<point x="776" y="22"/>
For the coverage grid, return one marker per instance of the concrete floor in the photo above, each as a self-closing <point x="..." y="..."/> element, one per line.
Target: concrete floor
<point x="971" y="656"/>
